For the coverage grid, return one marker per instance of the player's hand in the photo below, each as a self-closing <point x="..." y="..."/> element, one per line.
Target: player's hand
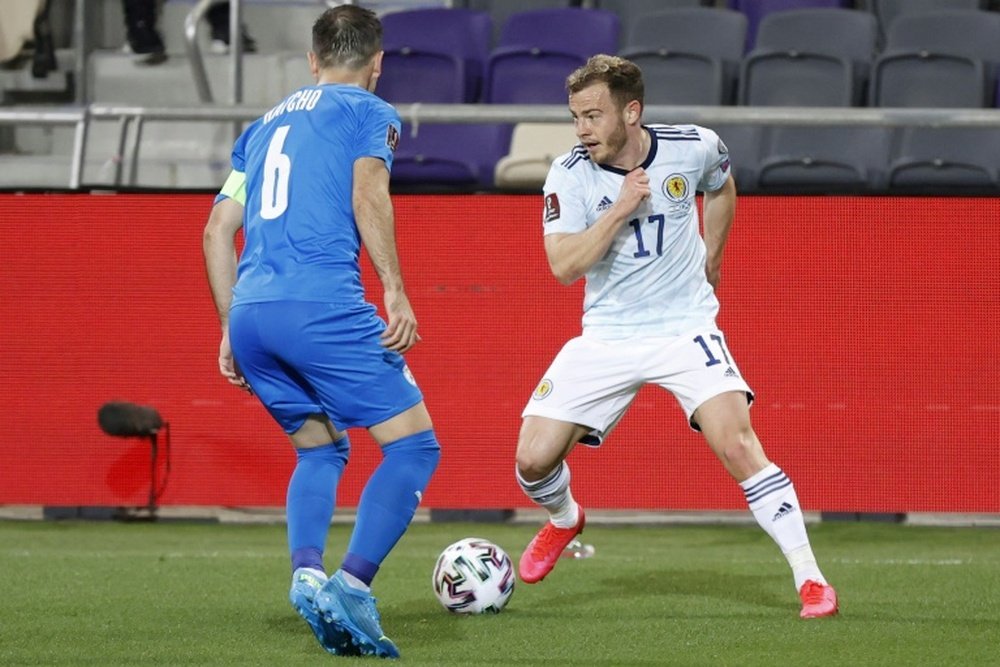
<point x="401" y="333"/>
<point x="635" y="188"/>
<point x="227" y="365"/>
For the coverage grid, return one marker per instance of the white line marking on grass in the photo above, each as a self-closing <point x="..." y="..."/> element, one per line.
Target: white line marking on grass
<point x="904" y="561"/>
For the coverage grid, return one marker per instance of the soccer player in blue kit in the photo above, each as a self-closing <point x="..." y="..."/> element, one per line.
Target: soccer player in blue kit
<point x="620" y="210"/>
<point x="309" y="186"/>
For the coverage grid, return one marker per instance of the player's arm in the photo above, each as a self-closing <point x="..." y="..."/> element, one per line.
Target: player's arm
<point x="219" y="248"/>
<point x="720" y="209"/>
<point x="374" y="216"/>
<point x="571" y="255"/>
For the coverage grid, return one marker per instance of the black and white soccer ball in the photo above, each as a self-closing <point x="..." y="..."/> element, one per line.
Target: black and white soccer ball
<point x="474" y="576"/>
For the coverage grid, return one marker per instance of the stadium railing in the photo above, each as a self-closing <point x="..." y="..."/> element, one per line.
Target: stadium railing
<point x="81" y="117"/>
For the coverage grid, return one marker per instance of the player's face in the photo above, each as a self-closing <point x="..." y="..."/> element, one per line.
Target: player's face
<point x="599" y="123"/>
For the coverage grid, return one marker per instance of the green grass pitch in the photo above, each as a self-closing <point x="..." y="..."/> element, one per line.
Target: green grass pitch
<point x="79" y="593"/>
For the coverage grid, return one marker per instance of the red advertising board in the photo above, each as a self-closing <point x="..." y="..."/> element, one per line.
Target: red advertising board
<point x="867" y="326"/>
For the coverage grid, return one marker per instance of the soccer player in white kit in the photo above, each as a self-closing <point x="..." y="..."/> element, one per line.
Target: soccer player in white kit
<point x="620" y="210"/>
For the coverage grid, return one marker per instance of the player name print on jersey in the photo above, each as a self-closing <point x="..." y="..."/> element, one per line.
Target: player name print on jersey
<point x="301" y="99"/>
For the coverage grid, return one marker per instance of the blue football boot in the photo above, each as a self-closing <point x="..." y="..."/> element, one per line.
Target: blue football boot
<point x="353" y="611"/>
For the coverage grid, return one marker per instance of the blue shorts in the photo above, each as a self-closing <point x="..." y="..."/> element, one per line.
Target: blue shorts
<point x="304" y="358"/>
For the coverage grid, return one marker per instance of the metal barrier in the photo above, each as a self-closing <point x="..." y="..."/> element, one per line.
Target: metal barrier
<point x="418" y="113"/>
<point x="191" y="23"/>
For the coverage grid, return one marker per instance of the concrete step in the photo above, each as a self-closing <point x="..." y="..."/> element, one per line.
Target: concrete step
<point x="118" y="78"/>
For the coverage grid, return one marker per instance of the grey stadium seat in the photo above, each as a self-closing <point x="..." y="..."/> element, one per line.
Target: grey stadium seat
<point x="810" y="57"/>
<point x="688" y="56"/>
<point x="632" y="11"/>
<point x="824" y="159"/>
<point x="946" y="159"/>
<point x="938" y="59"/>
<point x="886" y="11"/>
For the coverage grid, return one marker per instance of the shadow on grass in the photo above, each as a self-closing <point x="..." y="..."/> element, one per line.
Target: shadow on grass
<point x="675" y="586"/>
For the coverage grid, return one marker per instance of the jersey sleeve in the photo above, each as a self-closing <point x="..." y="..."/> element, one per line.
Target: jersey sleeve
<point x="379" y="132"/>
<point x="235" y="186"/>
<point x="238" y="158"/>
<point x="715" y="172"/>
<point x="564" y="211"/>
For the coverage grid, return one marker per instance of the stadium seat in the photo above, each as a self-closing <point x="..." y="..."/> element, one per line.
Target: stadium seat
<point x="533" y="147"/>
<point x="462" y="155"/>
<point x="744" y="144"/>
<point x="886" y="11"/>
<point x="688" y="56"/>
<point x="938" y="59"/>
<point x="824" y="159"/>
<point x="633" y="12"/>
<point x="949" y="159"/>
<point x="756" y="10"/>
<point x="538" y="50"/>
<point x="810" y="57"/>
<point x="434" y="55"/>
<point x="501" y="10"/>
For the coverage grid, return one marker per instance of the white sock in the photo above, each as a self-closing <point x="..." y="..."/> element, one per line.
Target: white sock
<point x="354" y="582"/>
<point x="552" y="492"/>
<point x="775" y="506"/>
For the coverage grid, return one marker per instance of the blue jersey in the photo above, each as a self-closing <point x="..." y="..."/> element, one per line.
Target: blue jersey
<point x="301" y="242"/>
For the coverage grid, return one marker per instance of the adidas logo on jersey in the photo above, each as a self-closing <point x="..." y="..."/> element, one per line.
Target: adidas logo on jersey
<point x="730" y="373"/>
<point x="783" y="511"/>
<point x="604" y="204"/>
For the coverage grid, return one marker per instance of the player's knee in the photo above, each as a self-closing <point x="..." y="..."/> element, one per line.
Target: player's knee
<point x="534" y="464"/>
<point x="741" y="452"/>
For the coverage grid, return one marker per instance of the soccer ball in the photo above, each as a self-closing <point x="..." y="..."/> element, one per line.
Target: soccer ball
<point x="473" y="576"/>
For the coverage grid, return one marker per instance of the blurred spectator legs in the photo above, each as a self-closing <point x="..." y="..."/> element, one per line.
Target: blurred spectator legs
<point x="218" y="18"/>
<point x="140" y="31"/>
<point x="18" y="26"/>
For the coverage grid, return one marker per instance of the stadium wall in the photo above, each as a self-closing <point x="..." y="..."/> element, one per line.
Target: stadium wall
<point x="867" y="326"/>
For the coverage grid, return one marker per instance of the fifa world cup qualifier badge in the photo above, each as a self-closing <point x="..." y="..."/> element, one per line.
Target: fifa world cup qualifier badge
<point x="551" y="207"/>
<point x="392" y="137"/>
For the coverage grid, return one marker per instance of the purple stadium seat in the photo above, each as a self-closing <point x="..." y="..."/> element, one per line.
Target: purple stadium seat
<point x="457" y="154"/>
<point x="538" y="50"/>
<point x="755" y="10"/>
<point x="434" y="55"/>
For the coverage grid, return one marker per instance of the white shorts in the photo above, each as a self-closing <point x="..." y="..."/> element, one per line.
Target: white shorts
<point x="592" y="382"/>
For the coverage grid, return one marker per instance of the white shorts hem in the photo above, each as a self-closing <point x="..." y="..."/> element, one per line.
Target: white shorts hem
<point x="561" y="415"/>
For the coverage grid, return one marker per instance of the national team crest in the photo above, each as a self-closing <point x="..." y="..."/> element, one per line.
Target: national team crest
<point x="543" y="389"/>
<point x="675" y="187"/>
<point x="392" y="137"/>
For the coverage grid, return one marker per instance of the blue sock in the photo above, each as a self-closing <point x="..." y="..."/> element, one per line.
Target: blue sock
<point x="309" y="505"/>
<point x="389" y="501"/>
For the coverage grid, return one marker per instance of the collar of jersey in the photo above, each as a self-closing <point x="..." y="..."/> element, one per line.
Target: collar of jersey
<point x="645" y="163"/>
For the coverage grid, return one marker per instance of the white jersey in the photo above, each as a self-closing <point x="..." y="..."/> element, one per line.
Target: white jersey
<point x="651" y="282"/>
